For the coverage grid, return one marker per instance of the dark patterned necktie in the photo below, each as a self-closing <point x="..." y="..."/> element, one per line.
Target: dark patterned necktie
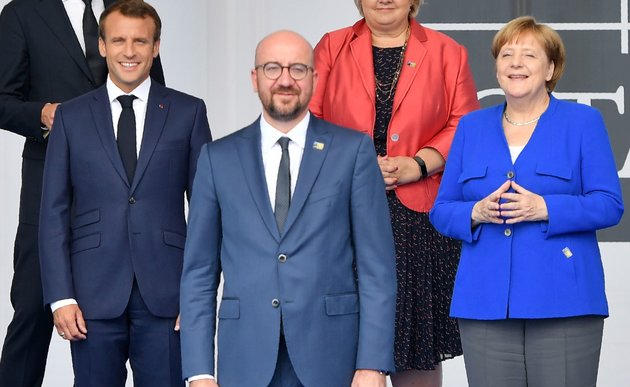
<point x="126" y="137"/>
<point x="283" y="185"/>
<point x="95" y="61"/>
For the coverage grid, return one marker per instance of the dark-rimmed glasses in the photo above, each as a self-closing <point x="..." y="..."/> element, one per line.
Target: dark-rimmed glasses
<point x="273" y="70"/>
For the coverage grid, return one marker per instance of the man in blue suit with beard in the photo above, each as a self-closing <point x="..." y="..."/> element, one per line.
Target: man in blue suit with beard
<point x="120" y="161"/>
<point x="292" y="211"/>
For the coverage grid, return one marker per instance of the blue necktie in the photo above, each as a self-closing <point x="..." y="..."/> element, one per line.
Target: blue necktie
<point x="126" y="138"/>
<point x="283" y="185"/>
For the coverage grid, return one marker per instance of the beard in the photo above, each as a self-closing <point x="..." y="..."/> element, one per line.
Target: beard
<point x="285" y="113"/>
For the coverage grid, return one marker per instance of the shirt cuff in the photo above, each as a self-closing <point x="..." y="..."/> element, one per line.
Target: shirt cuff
<point x="200" y="377"/>
<point x="65" y="302"/>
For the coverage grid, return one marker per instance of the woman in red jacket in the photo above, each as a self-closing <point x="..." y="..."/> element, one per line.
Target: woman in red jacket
<point x="406" y="86"/>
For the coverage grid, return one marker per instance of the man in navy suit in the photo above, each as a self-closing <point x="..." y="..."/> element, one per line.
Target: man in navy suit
<point x="112" y="229"/>
<point x="44" y="51"/>
<point x="292" y="211"/>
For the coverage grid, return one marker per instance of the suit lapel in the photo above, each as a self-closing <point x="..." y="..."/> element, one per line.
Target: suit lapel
<point x="54" y="15"/>
<point x="361" y="49"/>
<point x="318" y="141"/>
<point x="414" y="56"/>
<point x="101" y="111"/>
<point x="155" y="119"/>
<point x="250" y="156"/>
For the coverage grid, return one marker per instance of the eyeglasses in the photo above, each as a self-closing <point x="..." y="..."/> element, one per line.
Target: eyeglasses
<point x="273" y="70"/>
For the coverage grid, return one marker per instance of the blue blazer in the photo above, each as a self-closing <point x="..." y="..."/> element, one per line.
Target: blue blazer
<point x="531" y="269"/>
<point x="332" y="272"/>
<point x="97" y="229"/>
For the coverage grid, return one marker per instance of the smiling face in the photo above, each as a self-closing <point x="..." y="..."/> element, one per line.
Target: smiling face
<point x="285" y="100"/>
<point x="129" y="48"/>
<point x="386" y="14"/>
<point x="523" y="68"/>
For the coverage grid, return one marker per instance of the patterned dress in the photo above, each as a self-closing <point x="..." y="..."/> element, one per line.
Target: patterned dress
<point x="426" y="261"/>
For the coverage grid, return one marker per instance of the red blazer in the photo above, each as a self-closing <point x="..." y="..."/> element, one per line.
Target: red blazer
<point x="434" y="90"/>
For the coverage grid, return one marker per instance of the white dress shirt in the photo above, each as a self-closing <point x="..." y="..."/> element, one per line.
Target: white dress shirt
<point x="271" y="155"/>
<point x="74" y="9"/>
<point x="140" y="109"/>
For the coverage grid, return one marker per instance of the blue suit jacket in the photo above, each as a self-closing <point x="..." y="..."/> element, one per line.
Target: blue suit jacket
<point x="531" y="269"/>
<point x="337" y="286"/>
<point x="98" y="230"/>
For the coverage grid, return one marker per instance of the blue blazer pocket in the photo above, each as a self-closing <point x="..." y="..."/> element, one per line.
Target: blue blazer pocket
<point x="174" y="239"/>
<point x="472" y="172"/>
<point x="229" y="309"/>
<point x="347" y="303"/>
<point x="86" y="218"/>
<point x="85" y="242"/>
<point x="561" y="171"/>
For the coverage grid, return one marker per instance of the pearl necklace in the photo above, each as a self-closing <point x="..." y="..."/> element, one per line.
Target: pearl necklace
<point x="525" y="123"/>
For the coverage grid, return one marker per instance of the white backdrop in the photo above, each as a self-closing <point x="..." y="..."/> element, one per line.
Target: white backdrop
<point x="207" y="51"/>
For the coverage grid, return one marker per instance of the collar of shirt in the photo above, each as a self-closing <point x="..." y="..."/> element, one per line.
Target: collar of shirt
<point x="139" y="107"/>
<point x="141" y="92"/>
<point x="272" y="153"/>
<point x="270" y="135"/>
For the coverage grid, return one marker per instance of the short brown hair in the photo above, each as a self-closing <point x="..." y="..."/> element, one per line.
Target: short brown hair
<point x="546" y="36"/>
<point x="413" y="10"/>
<point x="132" y="8"/>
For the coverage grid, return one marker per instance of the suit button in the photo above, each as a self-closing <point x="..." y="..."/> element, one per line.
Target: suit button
<point x="507" y="232"/>
<point x="275" y="303"/>
<point x="282" y="258"/>
<point x="510" y="174"/>
<point x="132" y="200"/>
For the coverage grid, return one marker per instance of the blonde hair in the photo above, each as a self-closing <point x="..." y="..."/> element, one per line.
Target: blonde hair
<point x="413" y="9"/>
<point x="546" y="36"/>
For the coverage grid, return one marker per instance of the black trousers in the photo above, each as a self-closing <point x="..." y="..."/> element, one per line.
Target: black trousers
<point x="28" y="335"/>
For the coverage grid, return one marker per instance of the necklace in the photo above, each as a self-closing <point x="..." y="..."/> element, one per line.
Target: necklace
<point x="524" y="123"/>
<point x="385" y="90"/>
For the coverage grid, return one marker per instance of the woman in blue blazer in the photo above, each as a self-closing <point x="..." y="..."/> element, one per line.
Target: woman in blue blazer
<point x="526" y="186"/>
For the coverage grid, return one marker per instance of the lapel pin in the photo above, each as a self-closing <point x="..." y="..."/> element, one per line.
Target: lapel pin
<point x="411" y="64"/>
<point x="318" y="145"/>
<point x="567" y="252"/>
<point x="161" y="106"/>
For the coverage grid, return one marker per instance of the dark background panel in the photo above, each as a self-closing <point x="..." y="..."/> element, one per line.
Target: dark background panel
<point x="469" y="11"/>
<point x="595" y="61"/>
<point x="572" y="11"/>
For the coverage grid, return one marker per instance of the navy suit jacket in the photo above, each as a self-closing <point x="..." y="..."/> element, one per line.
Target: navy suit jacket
<point x="531" y="269"/>
<point x="331" y="274"/>
<point x="98" y="230"/>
